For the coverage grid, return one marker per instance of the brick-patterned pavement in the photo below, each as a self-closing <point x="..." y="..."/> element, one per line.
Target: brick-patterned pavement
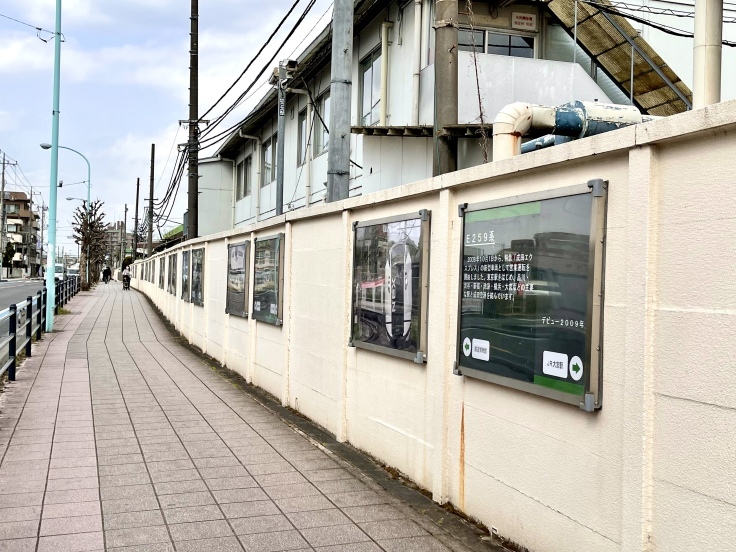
<point x="115" y="437"/>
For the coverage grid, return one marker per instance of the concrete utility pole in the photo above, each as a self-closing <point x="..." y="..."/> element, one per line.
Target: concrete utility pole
<point x="445" y="83"/>
<point x="338" y="150"/>
<point x="280" y="145"/>
<point x="124" y="236"/>
<point x="193" y="188"/>
<point x="150" y="203"/>
<point x="135" y="228"/>
<point x="707" y="52"/>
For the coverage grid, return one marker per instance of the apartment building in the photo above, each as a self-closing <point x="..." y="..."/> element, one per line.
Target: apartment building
<point x="22" y="229"/>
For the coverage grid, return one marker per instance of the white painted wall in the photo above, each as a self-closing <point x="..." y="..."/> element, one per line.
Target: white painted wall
<point x="652" y="471"/>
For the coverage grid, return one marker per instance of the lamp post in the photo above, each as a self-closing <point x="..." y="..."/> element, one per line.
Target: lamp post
<point x="89" y="206"/>
<point x="54" y="173"/>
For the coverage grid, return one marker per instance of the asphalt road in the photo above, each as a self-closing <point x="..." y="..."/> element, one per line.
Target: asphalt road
<point x="16" y="291"/>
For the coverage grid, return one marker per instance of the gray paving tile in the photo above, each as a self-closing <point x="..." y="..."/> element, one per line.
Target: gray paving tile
<point x="303" y="504"/>
<point x="130" y="491"/>
<point x="261" y="524"/>
<point x="79" y="542"/>
<point x="224" y="544"/>
<point x="225" y="483"/>
<point x="200" y="530"/>
<point x="71" y="484"/>
<point x="178" y="487"/>
<point x="248" y="509"/>
<point x="392" y="529"/>
<point x="76" y="495"/>
<point x="21" y="513"/>
<point x="359" y="498"/>
<point x="129" y="505"/>
<point x="73" y="509"/>
<point x="376" y="512"/>
<point x="186" y="499"/>
<point x="136" y="536"/>
<point x="413" y="544"/>
<point x="70" y="525"/>
<point x="355" y="547"/>
<point x="239" y="495"/>
<point x="19" y="545"/>
<point x="273" y="542"/>
<point x="129" y="520"/>
<point x="192" y="513"/>
<point x="334" y="534"/>
<point x="292" y="491"/>
<point x="318" y="518"/>
<point x="18" y="529"/>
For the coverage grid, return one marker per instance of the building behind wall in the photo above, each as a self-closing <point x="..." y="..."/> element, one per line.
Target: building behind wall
<point x="22" y="230"/>
<point x="522" y="51"/>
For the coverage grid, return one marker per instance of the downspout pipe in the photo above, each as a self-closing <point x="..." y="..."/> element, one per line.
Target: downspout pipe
<point x="573" y="120"/>
<point x="707" y="52"/>
<point x="416" y="62"/>
<point x="385" y="26"/>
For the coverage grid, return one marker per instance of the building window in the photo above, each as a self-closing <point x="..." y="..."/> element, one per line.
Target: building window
<point x="500" y="44"/>
<point x="243" y="178"/>
<point x="370" y="75"/>
<point x="301" y="154"/>
<point x="12" y="228"/>
<point x="268" y="160"/>
<point x="12" y="208"/>
<point x="239" y="180"/>
<point x="322" y="136"/>
<point x="248" y="176"/>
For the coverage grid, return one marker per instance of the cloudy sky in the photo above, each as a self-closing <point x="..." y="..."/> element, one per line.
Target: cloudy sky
<point x="124" y="86"/>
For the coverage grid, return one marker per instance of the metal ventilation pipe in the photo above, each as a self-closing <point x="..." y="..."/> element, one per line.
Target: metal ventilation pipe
<point x="707" y="49"/>
<point x="573" y="120"/>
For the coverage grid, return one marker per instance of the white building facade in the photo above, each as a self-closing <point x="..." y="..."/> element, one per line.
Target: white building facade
<point x="521" y="52"/>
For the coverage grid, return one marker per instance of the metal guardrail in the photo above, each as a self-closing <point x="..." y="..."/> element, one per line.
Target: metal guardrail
<point x="27" y="320"/>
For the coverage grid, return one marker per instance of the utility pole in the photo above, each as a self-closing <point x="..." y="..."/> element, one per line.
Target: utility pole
<point x="150" y="204"/>
<point x="135" y="228"/>
<point x="43" y="223"/>
<point x="193" y="188"/>
<point x="281" y="144"/>
<point x="124" y="236"/>
<point x="445" y="82"/>
<point x="338" y="150"/>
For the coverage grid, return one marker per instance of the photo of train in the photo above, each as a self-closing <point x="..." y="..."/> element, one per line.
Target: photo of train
<point x="386" y="280"/>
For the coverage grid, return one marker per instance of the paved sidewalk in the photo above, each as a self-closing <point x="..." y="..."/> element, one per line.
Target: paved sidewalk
<point x="114" y="437"/>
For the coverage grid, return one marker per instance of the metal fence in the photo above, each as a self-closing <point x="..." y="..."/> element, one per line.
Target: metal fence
<point x="21" y="322"/>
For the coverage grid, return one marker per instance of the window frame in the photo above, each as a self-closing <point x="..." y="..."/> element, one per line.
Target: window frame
<point x="374" y="56"/>
<point x="302" y="145"/>
<point x="321" y="138"/>
<point x="508" y="32"/>
<point x="271" y="141"/>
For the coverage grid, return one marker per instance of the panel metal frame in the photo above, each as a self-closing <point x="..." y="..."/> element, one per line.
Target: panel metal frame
<point x="419" y="357"/>
<point x="280" y="294"/>
<point x="592" y="399"/>
<point x="191" y="273"/>
<point x="246" y="268"/>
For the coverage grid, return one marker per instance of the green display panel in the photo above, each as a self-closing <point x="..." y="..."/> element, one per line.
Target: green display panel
<point x="531" y="291"/>
<point x="268" y="279"/>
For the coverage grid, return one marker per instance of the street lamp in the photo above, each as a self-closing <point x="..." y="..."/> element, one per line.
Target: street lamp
<point x="89" y="206"/>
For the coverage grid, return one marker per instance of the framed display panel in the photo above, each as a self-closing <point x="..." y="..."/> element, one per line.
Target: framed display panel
<point x="185" y="275"/>
<point x="530" y="311"/>
<point x="197" y="293"/>
<point x="172" y="274"/>
<point x="390" y="285"/>
<point x="161" y="270"/>
<point x="238" y="256"/>
<point x="268" y="279"/>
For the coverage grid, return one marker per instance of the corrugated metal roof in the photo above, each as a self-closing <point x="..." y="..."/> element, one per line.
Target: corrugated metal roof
<point x="607" y="38"/>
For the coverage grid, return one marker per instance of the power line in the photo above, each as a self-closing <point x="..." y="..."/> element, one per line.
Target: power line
<point x="268" y="64"/>
<point x="171" y="150"/>
<point x="253" y="59"/>
<point x="659" y="26"/>
<point x="654" y="10"/>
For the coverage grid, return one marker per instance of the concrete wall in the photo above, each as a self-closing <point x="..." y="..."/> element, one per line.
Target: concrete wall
<point x="652" y="471"/>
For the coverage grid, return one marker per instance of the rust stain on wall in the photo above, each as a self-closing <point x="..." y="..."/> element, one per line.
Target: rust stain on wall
<point x="461" y="485"/>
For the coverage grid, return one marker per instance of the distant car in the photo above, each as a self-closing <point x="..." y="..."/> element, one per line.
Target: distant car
<point x="72" y="272"/>
<point x="60" y="273"/>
